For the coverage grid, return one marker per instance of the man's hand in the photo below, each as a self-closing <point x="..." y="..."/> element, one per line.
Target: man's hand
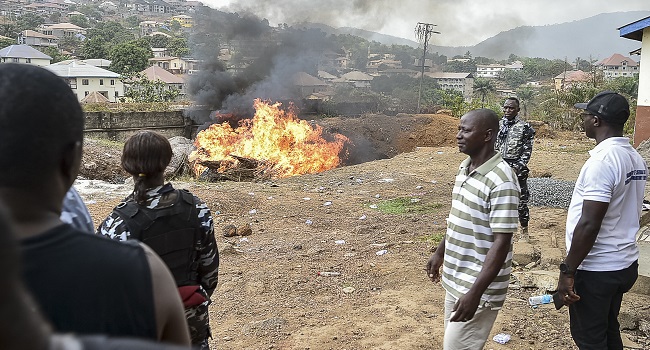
<point x="565" y="289"/>
<point x="465" y="308"/>
<point x="433" y="267"/>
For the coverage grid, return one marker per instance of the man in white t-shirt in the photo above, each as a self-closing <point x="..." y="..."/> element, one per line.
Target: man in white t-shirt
<point x="602" y="222"/>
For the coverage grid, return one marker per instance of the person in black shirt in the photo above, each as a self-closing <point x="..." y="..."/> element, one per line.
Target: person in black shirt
<point x="76" y="287"/>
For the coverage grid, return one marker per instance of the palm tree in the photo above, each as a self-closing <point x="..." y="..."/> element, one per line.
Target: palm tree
<point x="483" y="87"/>
<point x="525" y="96"/>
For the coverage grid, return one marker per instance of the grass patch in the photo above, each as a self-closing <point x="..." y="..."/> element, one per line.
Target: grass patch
<point x="406" y="205"/>
<point x="434" y="238"/>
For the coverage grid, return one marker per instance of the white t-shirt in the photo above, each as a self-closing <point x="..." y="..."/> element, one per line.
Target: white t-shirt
<point x="615" y="173"/>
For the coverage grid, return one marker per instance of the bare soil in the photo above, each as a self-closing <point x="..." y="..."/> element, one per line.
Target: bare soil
<point x="270" y="295"/>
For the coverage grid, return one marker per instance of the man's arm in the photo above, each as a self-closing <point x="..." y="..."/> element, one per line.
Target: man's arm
<point x="170" y="316"/>
<point x="435" y="261"/>
<point x="584" y="236"/>
<point x="527" y="148"/>
<point x="494" y="259"/>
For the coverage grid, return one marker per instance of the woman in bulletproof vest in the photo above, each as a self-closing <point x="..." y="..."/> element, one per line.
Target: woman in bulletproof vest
<point x="174" y="223"/>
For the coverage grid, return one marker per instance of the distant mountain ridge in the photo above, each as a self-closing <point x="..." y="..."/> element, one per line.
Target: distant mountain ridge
<point x="595" y="37"/>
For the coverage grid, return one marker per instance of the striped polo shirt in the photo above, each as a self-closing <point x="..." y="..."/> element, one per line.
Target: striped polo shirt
<point x="483" y="202"/>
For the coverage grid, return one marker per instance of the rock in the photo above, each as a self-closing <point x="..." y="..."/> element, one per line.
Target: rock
<point x="229" y="231"/>
<point x="245" y="230"/>
<point x="544" y="280"/>
<point x="523" y="253"/>
<point x="348" y="290"/>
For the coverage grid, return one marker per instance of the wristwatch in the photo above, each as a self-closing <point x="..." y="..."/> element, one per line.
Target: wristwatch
<point x="565" y="269"/>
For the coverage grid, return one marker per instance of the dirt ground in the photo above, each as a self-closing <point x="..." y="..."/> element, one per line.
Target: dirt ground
<point x="270" y="295"/>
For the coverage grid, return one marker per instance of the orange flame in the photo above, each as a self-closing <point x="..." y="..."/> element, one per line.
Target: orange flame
<point x="292" y="145"/>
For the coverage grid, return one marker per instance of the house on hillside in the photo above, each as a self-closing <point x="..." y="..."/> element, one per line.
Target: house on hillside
<point x="34" y="38"/>
<point x="616" y="66"/>
<point x="570" y="78"/>
<point x="357" y="79"/>
<point x="493" y="70"/>
<point x="640" y="31"/>
<point x="326" y="77"/>
<point x="62" y="30"/>
<point x="461" y="82"/>
<point x="84" y="78"/>
<point x="184" y="20"/>
<point x="175" y="65"/>
<point x="307" y="84"/>
<point x="173" y="82"/>
<point x="489" y="70"/>
<point x="24" y="54"/>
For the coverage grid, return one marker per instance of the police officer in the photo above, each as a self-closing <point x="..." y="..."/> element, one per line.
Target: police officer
<point x="515" y="143"/>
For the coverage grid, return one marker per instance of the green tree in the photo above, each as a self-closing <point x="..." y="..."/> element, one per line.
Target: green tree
<point x="55" y="53"/>
<point x="132" y="22"/>
<point x="513" y="78"/>
<point x="178" y="47"/>
<point x="29" y="21"/>
<point x="141" y="89"/>
<point x="94" y="48"/>
<point x="159" y="40"/>
<point x="79" y="20"/>
<point x="483" y="87"/>
<point x="6" y="42"/>
<point x="71" y="44"/>
<point x="9" y="30"/>
<point x="129" y="57"/>
<point x="110" y="32"/>
<point x="525" y="96"/>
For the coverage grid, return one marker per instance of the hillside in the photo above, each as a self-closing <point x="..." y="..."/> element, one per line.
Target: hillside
<point x="596" y="37"/>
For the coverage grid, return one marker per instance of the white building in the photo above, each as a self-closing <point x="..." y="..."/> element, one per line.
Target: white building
<point x="24" y="54"/>
<point x="461" y="82"/>
<point x="493" y="70"/>
<point x="84" y="78"/>
<point x="618" y="65"/>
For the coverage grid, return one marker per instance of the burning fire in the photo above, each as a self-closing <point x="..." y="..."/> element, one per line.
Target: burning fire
<point x="289" y="145"/>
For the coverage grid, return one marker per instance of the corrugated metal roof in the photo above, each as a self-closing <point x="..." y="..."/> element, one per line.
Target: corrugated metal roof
<point x="22" y="51"/>
<point x="76" y="69"/>
<point x="159" y="73"/>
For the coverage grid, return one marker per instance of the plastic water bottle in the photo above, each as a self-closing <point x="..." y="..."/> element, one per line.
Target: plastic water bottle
<point x="540" y="299"/>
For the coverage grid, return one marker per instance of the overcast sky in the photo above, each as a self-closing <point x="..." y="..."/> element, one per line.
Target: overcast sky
<point x="461" y="22"/>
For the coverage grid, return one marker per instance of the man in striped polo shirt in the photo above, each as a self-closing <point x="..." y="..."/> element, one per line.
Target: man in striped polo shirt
<point x="476" y="254"/>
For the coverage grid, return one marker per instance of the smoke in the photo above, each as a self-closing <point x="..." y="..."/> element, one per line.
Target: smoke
<point x="461" y="22"/>
<point x="271" y="57"/>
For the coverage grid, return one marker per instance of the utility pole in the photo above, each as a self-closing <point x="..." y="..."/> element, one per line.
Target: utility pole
<point x="423" y="33"/>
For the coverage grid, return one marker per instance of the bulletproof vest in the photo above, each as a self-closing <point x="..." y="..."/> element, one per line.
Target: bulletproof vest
<point x="511" y="147"/>
<point x="172" y="231"/>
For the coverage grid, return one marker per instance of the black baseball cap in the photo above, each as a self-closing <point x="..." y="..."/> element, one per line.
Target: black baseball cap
<point x="608" y="105"/>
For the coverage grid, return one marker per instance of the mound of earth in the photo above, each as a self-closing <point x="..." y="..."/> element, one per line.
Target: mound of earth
<point x="101" y="161"/>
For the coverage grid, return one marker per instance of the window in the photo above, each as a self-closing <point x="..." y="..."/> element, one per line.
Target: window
<point x="84" y="81"/>
<point x="28" y="60"/>
<point x="16" y="60"/>
<point x="85" y="93"/>
<point x="101" y="81"/>
<point x="116" y="95"/>
<point x="113" y="82"/>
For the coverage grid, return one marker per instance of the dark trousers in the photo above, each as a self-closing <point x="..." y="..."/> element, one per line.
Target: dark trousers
<point x="524" y="214"/>
<point x="594" y="318"/>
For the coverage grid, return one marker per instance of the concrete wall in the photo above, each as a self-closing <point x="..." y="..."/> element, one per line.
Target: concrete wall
<point x="642" y="121"/>
<point x="118" y="126"/>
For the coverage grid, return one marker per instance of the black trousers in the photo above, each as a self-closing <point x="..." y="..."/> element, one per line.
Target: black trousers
<point x="594" y="318"/>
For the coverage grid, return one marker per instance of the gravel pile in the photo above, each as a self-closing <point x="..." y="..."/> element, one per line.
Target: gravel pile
<point x="548" y="192"/>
